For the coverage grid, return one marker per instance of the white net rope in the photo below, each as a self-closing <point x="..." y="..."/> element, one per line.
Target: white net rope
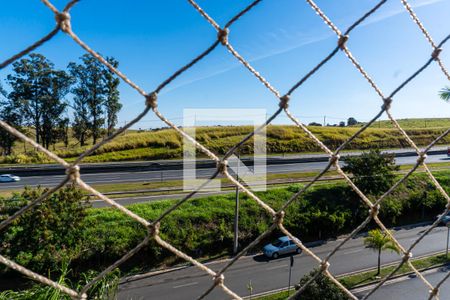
<point x="63" y="23"/>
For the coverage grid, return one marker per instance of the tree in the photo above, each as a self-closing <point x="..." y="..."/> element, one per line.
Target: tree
<point x="80" y="125"/>
<point x="314" y="124"/>
<point x="89" y="97"/>
<point x="379" y="241"/>
<point x="351" y="121"/>
<point x="62" y="131"/>
<point x="445" y="94"/>
<point x="342" y="124"/>
<point x="112" y="104"/>
<point x="38" y="90"/>
<point x="9" y="114"/>
<point x="373" y="171"/>
<point x="54" y="108"/>
<point x="321" y="288"/>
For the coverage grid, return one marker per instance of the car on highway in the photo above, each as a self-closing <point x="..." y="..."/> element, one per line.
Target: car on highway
<point x="445" y="219"/>
<point x="283" y="245"/>
<point x="448" y="151"/>
<point x="9" y="178"/>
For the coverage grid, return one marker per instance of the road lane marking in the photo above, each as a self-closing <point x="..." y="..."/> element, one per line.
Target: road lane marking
<point x="353" y="251"/>
<point x="184" y="285"/>
<point x="276" y="267"/>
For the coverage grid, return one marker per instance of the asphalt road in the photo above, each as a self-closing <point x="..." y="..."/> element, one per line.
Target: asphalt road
<point x="152" y="176"/>
<point x="268" y="274"/>
<point x="412" y="288"/>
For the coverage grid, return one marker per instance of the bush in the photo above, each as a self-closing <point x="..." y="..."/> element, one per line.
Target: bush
<point x="34" y="157"/>
<point x="321" y="288"/>
<point x="47" y="234"/>
<point x="373" y="172"/>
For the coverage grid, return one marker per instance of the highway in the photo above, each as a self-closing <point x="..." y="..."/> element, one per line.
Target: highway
<point x="269" y="274"/>
<point x="412" y="288"/>
<point x="152" y="176"/>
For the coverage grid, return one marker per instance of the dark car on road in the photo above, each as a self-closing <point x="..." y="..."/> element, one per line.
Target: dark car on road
<point x="445" y="219"/>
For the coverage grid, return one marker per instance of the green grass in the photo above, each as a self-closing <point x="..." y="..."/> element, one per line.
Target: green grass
<point x="416" y="123"/>
<point x="281" y="139"/>
<point x="355" y="280"/>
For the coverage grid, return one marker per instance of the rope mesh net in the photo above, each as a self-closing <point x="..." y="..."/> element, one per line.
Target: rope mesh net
<point x="63" y="23"/>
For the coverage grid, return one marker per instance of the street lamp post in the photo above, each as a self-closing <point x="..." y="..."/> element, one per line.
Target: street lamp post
<point x="236" y="212"/>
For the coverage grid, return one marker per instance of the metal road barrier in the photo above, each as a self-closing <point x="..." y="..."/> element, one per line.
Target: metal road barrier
<point x="63" y="23"/>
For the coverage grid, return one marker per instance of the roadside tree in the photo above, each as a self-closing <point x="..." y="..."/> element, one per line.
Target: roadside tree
<point x="112" y="103"/>
<point x="351" y="121"/>
<point x="8" y="113"/>
<point x="373" y="172"/>
<point x="379" y="241"/>
<point x="38" y="91"/>
<point x="445" y="94"/>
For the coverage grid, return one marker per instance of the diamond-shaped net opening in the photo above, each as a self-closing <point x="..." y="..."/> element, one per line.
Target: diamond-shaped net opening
<point x="63" y="23"/>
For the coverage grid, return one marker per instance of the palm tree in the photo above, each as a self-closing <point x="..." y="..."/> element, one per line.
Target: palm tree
<point x="378" y="241"/>
<point x="445" y="94"/>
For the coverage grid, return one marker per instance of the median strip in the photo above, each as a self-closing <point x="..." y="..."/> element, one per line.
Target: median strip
<point x="361" y="279"/>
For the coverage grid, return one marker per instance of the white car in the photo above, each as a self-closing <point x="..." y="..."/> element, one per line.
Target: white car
<point x="9" y="178"/>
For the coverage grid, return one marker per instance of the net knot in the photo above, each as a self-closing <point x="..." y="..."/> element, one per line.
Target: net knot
<point x="218" y="280"/>
<point x="422" y="157"/>
<point x="342" y="40"/>
<point x="434" y="292"/>
<point x="278" y="218"/>
<point x="324" y="265"/>
<point x="222" y="36"/>
<point x="374" y="210"/>
<point x="436" y="52"/>
<point x="83" y="296"/>
<point x="407" y="256"/>
<point x="63" y="21"/>
<point x="73" y="172"/>
<point x="387" y="103"/>
<point x="334" y="158"/>
<point x="284" y="101"/>
<point x="153" y="229"/>
<point x="222" y="166"/>
<point x="151" y="100"/>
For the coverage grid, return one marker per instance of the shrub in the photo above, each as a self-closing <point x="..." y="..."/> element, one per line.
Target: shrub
<point x="320" y="288"/>
<point x="47" y="234"/>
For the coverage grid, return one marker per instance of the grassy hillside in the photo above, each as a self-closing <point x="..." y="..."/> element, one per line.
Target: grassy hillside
<point x="167" y="144"/>
<point x="416" y="123"/>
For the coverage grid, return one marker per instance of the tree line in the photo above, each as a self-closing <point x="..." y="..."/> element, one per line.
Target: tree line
<point x="40" y="97"/>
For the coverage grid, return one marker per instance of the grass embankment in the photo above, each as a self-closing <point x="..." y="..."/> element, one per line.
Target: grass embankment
<point x="415" y="123"/>
<point x="368" y="277"/>
<point x="281" y="139"/>
<point x="203" y="227"/>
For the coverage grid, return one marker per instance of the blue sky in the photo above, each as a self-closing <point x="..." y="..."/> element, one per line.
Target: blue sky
<point x="283" y="39"/>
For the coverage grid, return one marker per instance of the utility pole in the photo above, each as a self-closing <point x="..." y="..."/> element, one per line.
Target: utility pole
<point x="236" y="211"/>
<point x="291" y="264"/>
<point x="324" y="121"/>
<point x="446" y="245"/>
